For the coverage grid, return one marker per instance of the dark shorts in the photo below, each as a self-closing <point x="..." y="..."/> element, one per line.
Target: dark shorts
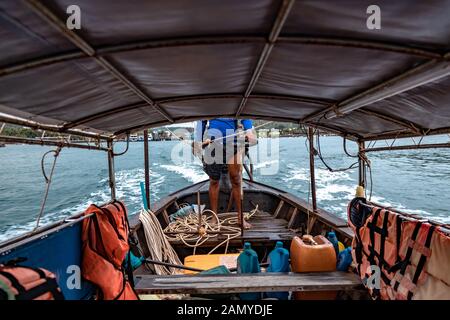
<point x="215" y="170"/>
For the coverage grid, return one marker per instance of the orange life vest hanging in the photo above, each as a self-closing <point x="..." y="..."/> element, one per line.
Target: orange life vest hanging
<point x="104" y="247"/>
<point x="412" y="256"/>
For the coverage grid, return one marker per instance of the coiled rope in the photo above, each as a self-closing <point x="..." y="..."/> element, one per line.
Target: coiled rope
<point x="186" y="229"/>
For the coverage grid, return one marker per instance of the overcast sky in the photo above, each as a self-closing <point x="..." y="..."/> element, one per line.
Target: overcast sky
<point x="184" y="125"/>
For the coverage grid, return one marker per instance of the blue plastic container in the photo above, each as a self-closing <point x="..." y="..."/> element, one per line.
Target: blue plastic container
<point x="278" y="262"/>
<point x="344" y="259"/>
<point x="334" y="240"/>
<point x="135" y="261"/>
<point x="247" y="262"/>
<point x="184" y="211"/>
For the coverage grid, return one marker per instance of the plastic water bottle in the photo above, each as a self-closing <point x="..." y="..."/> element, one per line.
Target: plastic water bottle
<point x="278" y="262"/>
<point x="247" y="262"/>
<point x="333" y="239"/>
<point x="344" y="259"/>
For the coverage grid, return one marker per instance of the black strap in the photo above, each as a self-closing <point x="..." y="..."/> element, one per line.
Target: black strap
<point x="93" y="221"/>
<point x="14" y="282"/>
<point x="422" y="261"/>
<point x="383" y="231"/>
<point x="130" y="269"/>
<point x="50" y="285"/>
<point x="359" y="246"/>
<point x="405" y="262"/>
<point x="131" y="241"/>
<point x="111" y="220"/>
<point x="372" y="228"/>
<point x="124" y="282"/>
<point x="384" y="235"/>
<point x="125" y="213"/>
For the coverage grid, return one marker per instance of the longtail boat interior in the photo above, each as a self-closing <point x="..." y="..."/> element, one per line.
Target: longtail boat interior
<point x="92" y="74"/>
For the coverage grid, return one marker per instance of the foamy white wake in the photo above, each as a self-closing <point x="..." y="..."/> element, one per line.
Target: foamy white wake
<point x="332" y="187"/>
<point x="191" y="172"/>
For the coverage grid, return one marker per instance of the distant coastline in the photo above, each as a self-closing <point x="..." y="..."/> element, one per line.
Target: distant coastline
<point x="272" y="130"/>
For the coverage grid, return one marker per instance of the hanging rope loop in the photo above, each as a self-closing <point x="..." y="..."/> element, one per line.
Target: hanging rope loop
<point x="48" y="180"/>
<point x="56" y="154"/>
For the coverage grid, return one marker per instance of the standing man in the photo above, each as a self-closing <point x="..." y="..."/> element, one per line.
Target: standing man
<point x="224" y="148"/>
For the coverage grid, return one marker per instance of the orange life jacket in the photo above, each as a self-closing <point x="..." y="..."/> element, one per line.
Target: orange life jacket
<point x="104" y="247"/>
<point x="412" y="255"/>
<point x="25" y="283"/>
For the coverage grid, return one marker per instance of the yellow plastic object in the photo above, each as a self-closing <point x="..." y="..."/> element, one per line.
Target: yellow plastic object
<point x="360" y="192"/>
<point x="208" y="261"/>
<point x="341" y="246"/>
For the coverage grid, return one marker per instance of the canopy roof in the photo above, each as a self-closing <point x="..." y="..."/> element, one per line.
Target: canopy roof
<point x="139" y="63"/>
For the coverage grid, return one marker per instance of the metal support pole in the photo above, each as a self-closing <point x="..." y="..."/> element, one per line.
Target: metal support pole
<point x="241" y="214"/>
<point x="146" y="168"/>
<point x="112" y="177"/>
<point x="362" y="165"/>
<point x="311" y="168"/>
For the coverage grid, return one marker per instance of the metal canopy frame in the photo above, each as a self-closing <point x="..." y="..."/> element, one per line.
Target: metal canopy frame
<point x="103" y="51"/>
<point x="436" y="66"/>
<point x="409" y="147"/>
<point x="282" y="15"/>
<point x="412" y="78"/>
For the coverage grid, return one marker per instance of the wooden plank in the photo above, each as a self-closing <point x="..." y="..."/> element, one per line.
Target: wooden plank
<point x="311" y="223"/>
<point x="346" y="231"/>
<point x="292" y="219"/>
<point x="323" y="215"/>
<point x="330" y="219"/>
<point x="162" y="204"/>
<point x="234" y="283"/>
<point x="166" y="216"/>
<point x="277" y="211"/>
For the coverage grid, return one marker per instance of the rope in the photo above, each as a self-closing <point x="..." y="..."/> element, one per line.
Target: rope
<point x="185" y="226"/>
<point x="48" y="181"/>
<point x="157" y="243"/>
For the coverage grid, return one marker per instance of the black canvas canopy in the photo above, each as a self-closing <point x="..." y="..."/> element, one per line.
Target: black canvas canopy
<point x="139" y="63"/>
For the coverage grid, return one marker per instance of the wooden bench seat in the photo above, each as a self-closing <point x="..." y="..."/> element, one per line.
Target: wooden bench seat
<point x="235" y="283"/>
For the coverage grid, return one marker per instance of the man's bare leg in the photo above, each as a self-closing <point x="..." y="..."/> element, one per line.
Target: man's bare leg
<point x="214" y="194"/>
<point x="234" y="170"/>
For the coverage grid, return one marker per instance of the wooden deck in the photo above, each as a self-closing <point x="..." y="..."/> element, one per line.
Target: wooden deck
<point x="238" y="283"/>
<point x="265" y="229"/>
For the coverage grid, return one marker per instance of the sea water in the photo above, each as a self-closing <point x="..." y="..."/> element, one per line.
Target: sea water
<point x="416" y="181"/>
